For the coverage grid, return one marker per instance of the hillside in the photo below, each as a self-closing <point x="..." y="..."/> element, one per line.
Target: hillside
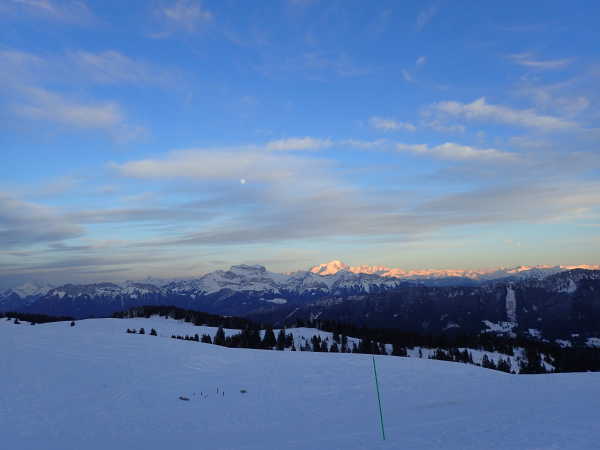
<point x="93" y="386"/>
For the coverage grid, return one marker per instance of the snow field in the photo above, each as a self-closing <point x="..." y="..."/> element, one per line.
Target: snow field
<point x="95" y="387"/>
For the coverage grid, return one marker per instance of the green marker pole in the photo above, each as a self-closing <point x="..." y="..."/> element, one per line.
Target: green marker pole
<point x="378" y="398"/>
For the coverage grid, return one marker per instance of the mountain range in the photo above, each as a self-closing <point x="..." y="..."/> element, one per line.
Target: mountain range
<point x="554" y="301"/>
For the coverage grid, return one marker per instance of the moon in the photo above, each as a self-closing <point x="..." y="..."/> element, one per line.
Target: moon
<point x="242" y="181"/>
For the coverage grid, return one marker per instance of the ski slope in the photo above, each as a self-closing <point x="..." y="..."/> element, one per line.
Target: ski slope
<point x="95" y="387"/>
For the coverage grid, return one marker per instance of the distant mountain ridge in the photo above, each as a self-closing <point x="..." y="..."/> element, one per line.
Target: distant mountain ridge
<point x="549" y="300"/>
<point x="220" y="278"/>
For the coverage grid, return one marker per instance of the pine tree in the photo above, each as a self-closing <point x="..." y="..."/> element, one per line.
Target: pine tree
<point x="487" y="362"/>
<point x="142" y="331"/>
<point x="365" y="346"/>
<point x="219" y="337"/>
<point x="397" y="350"/>
<point x="72" y="323"/>
<point x="254" y="340"/>
<point x="289" y="340"/>
<point x="153" y="332"/>
<point x="281" y="339"/>
<point x="534" y="362"/>
<point x="206" y="339"/>
<point x="269" y="340"/>
<point x="316" y="343"/>
<point x="504" y="365"/>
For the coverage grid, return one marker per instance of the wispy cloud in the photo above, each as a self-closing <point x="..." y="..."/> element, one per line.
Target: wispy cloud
<point x="497" y="204"/>
<point x="407" y="76"/>
<point x="113" y="67"/>
<point x="25" y="224"/>
<point x="453" y="151"/>
<point x="569" y="98"/>
<point x="304" y="143"/>
<point x="482" y="111"/>
<point x="183" y="16"/>
<point x="441" y="127"/>
<point x="71" y="11"/>
<point x="529" y="60"/>
<point x="315" y="66"/>
<point x="39" y="88"/>
<point x="41" y="104"/>
<point x="248" y="163"/>
<point x="82" y="67"/>
<point x="425" y="16"/>
<point x="384" y="124"/>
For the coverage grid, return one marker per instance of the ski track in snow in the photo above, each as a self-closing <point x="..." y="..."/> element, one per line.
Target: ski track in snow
<point x="95" y="387"/>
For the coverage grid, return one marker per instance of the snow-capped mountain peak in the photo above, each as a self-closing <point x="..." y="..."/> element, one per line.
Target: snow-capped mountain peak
<point x="537" y="272"/>
<point x="32" y="289"/>
<point x="330" y="268"/>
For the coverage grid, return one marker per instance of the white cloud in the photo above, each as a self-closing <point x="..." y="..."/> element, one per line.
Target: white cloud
<point x="425" y="16"/>
<point x="560" y="97"/>
<point x="483" y="111"/>
<point x="41" y="104"/>
<point x="72" y="11"/>
<point x="365" y="145"/>
<point x="304" y="143"/>
<point x="185" y="15"/>
<point x="25" y="223"/>
<point x="421" y="60"/>
<point x="23" y="78"/>
<point x="441" y="127"/>
<point x="407" y="76"/>
<point x="529" y="142"/>
<point x="384" y="124"/>
<point x="53" y="107"/>
<point x="528" y="60"/>
<point x="249" y="163"/>
<point x="114" y="67"/>
<point x="81" y="67"/>
<point x="315" y="65"/>
<point x="452" y="151"/>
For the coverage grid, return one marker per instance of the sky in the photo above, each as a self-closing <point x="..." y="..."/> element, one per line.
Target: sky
<point x="169" y="138"/>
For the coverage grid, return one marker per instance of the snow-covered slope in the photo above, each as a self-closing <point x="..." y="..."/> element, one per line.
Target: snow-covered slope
<point x="88" y="386"/>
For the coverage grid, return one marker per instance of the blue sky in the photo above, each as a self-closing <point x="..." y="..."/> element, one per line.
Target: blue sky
<point x="169" y="138"/>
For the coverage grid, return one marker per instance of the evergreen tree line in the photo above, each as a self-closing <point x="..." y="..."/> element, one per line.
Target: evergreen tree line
<point x="372" y="341"/>
<point x="33" y="318"/>
<point x="195" y="317"/>
<point x="570" y="359"/>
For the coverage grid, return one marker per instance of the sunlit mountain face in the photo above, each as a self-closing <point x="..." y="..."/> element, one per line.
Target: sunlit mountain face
<point x="336" y="266"/>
